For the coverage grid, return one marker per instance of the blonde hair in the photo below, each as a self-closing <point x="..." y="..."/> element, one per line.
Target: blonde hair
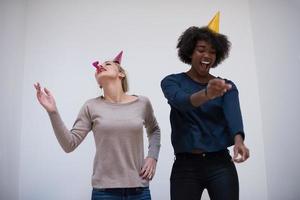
<point x="124" y="80"/>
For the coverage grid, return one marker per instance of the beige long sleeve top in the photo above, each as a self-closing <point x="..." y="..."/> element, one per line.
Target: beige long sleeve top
<point x="118" y="134"/>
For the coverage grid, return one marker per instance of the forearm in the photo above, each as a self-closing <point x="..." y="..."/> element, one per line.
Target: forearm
<point x="154" y="143"/>
<point x="215" y="88"/>
<point x="62" y="134"/>
<point x="199" y="98"/>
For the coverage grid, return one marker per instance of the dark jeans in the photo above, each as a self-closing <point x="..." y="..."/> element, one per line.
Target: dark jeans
<point x="141" y="193"/>
<point x="192" y="173"/>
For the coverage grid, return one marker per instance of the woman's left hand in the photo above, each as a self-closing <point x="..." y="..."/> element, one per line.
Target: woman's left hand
<point x="148" y="169"/>
<point x="241" y="152"/>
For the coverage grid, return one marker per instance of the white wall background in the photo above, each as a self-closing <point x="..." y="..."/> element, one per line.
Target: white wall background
<point x="12" y="37"/>
<point x="54" y="42"/>
<point x="276" y="30"/>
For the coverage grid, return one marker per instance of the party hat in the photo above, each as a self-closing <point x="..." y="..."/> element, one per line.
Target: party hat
<point x="118" y="58"/>
<point x="214" y="23"/>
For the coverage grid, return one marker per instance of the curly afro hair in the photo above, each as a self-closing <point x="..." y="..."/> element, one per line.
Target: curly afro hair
<point x="189" y="38"/>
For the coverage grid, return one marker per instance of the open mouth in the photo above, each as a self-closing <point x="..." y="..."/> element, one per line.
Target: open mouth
<point x="205" y="65"/>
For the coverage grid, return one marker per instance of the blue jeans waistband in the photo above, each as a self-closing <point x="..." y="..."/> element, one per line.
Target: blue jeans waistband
<point x="122" y="190"/>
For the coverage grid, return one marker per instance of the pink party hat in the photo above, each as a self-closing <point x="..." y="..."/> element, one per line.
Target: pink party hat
<point x="118" y="58"/>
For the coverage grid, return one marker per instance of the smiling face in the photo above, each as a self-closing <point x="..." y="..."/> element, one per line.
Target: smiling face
<point x="203" y="58"/>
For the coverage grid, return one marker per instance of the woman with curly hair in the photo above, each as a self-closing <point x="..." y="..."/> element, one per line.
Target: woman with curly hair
<point x="116" y="119"/>
<point x="205" y="120"/>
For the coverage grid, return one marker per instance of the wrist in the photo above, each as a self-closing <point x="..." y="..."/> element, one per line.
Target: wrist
<point x="51" y="112"/>
<point x="149" y="157"/>
<point x="206" y="94"/>
<point x="238" y="139"/>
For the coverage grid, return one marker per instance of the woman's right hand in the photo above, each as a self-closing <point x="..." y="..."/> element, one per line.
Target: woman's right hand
<point x="45" y="98"/>
<point x="216" y="88"/>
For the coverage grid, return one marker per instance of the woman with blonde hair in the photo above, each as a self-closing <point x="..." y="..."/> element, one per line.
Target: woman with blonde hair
<point x="116" y="120"/>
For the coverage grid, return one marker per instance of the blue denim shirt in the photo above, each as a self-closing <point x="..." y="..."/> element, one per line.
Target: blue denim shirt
<point x="209" y="127"/>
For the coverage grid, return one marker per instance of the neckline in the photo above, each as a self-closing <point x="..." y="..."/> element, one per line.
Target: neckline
<point x="185" y="74"/>
<point x="119" y="104"/>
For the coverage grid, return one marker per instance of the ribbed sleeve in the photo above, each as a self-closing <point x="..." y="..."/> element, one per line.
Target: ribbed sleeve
<point x="70" y="139"/>
<point x="153" y="132"/>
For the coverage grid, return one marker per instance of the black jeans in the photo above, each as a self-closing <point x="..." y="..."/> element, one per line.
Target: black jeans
<point x="192" y="173"/>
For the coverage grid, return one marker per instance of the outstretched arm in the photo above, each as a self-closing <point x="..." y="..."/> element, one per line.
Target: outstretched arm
<point x="68" y="139"/>
<point x="182" y="100"/>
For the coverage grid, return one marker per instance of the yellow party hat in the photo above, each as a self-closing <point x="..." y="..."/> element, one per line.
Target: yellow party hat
<point x="214" y="23"/>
